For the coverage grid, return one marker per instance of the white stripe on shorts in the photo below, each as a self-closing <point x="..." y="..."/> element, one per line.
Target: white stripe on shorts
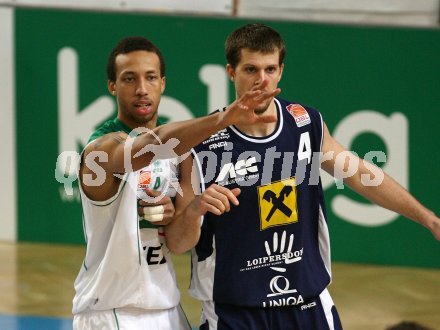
<point x="327" y="304"/>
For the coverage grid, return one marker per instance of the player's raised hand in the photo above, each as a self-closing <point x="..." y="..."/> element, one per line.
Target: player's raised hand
<point x="242" y="110"/>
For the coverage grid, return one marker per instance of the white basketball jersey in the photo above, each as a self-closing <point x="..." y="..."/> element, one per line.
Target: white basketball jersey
<point x="126" y="266"/>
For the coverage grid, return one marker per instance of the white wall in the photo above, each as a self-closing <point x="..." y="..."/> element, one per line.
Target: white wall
<point x="223" y="7"/>
<point x="383" y="12"/>
<point x="7" y="129"/>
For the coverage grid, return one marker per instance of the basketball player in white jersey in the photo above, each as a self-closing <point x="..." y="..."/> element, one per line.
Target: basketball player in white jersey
<point x="127" y="280"/>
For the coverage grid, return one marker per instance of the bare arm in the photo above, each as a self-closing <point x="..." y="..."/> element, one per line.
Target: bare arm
<point x="117" y="153"/>
<point x="183" y="232"/>
<point x="388" y="193"/>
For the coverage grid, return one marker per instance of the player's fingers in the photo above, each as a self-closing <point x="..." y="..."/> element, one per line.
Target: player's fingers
<point x="216" y="206"/>
<point x="157" y="197"/>
<point x="235" y="192"/>
<point x="266" y="118"/>
<point x="154" y="217"/>
<point x="231" y="195"/>
<point x="168" y="206"/>
<point x="212" y="209"/>
<point x="220" y="197"/>
<point x="153" y="213"/>
<point x="268" y="94"/>
<point x="167" y="217"/>
<point x="216" y="201"/>
<point x="261" y="85"/>
<point x="152" y="193"/>
<point x="153" y="196"/>
<point x="148" y="210"/>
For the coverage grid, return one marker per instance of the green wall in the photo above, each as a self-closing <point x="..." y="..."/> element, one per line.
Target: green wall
<point x="340" y="70"/>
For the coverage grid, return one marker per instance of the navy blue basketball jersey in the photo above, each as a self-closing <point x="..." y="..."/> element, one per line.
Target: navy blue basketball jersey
<point x="273" y="248"/>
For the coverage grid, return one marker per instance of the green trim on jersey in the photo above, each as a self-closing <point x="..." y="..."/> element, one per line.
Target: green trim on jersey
<point x="116" y="318"/>
<point x="86" y="239"/>
<point x="115" y="125"/>
<point x="110" y="126"/>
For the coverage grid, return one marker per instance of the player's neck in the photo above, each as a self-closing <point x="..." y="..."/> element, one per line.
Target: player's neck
<point x="134" y="125"/>
<point x="261" y="129"/>
<point x="258" y="130"/>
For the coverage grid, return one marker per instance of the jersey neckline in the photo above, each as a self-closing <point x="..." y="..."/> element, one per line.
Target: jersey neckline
<point x="263" y="139"/>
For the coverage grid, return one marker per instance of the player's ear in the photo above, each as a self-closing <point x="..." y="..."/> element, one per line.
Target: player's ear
<point x="281" y="71"/>
<point x="111" y="86"/>
<point x="162" y="84"/>
<point x="230" y="71"/>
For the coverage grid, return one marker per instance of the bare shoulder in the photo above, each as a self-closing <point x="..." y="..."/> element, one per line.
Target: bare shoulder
<point x="96" y="176"/>
<point x="106" y="142"/>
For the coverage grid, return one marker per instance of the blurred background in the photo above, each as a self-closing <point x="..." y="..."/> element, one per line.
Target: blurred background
<point x="371" y="67"/>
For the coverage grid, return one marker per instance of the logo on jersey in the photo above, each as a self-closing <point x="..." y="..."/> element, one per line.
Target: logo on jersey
<point x="279" y="252"/>
<point x="220" y="135"/>
<point x="300" y="114"/>
<point x="277" y="202"/>
<point x="242" y="170"/>
<point x="215" y="145"/>
<point x="279" y="286"/>
<point x="153" y="246"/>
<point x="144" y="179"/>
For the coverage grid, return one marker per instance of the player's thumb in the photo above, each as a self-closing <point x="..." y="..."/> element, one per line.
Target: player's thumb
<point x="236" y="191"/>
<point x="152" y="193"/>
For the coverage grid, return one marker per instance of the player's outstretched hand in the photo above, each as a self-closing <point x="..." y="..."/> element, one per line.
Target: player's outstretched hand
<point x="241" y="111"/>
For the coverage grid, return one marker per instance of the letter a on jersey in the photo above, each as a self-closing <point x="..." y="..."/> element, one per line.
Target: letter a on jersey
<point x="277" y="202"/>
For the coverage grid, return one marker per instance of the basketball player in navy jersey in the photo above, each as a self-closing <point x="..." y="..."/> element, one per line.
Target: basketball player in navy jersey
<point x="127" y="280"/>
<point x="254" y="214"/>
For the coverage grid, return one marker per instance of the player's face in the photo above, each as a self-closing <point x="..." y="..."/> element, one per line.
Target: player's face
<point x="252" y="69"/>
<point x="138" y="88"/>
